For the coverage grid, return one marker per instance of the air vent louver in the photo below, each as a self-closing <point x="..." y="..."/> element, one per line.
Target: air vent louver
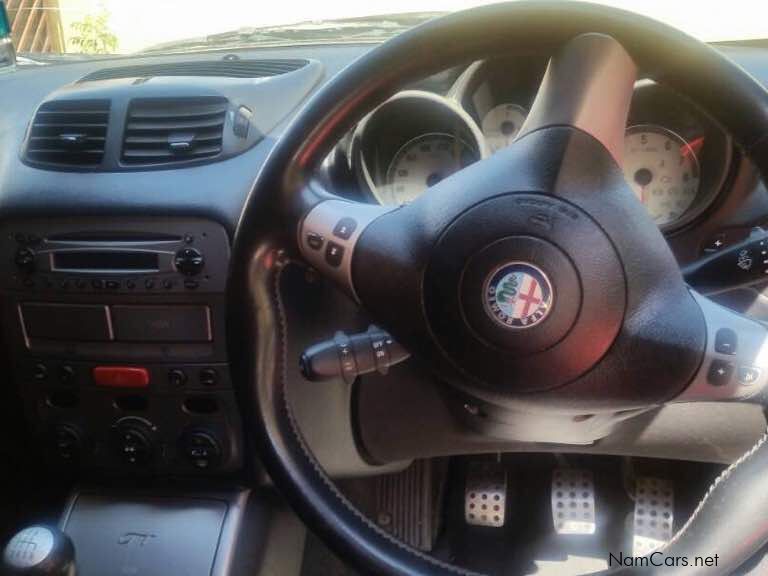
<point x="69" y="133"/>
<point x="210" y="68"/>
<point x="171" y="130"/>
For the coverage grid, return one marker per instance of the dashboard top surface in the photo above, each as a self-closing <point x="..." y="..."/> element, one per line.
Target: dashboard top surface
<point x="217" y="190"/>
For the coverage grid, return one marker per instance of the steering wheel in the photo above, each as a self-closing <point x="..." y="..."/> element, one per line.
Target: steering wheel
<point x="613" y="328"/>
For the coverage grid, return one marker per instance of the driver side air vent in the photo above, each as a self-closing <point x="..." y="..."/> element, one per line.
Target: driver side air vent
<point x="68" y="133"/>
<point x="173" y="130"/>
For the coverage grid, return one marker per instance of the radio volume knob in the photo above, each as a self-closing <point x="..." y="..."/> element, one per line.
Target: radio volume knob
<point x="189" y="261"/>
<point x="25" y="259"/>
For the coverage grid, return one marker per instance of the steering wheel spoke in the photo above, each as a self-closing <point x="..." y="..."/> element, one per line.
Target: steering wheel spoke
<point x="588" y="85"/>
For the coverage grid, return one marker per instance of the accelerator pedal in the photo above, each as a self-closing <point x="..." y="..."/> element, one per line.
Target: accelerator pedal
<point x="573" y="501"/>
<point x="485" y="494"/>
<point x="654" y="515"/>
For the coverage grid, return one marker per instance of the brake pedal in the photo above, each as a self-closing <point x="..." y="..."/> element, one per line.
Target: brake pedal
<point x="654" y="515"/>
<point x="485" y="494"/>
<point x="573" y="501"/>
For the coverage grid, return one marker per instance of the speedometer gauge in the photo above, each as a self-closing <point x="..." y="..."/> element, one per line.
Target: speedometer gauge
<point x="501" y="125"/>
<point x="423" y="162"/>
<point x="663" y="171"/>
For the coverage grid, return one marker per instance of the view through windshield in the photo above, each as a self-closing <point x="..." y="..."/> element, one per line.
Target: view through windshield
<point x="126" y="26"/>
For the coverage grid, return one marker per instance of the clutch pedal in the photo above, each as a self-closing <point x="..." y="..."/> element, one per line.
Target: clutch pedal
<point x="573" y="501"/>
<point x="654" y="515"/>
<point x="485" y="494"/>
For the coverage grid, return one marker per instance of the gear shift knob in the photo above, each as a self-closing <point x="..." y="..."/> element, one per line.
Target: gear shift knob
<point x="39" y="551"/>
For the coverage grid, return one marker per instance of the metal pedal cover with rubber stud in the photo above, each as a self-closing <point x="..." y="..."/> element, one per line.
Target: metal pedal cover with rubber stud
<point x="573" y="501"/>
<point x="485" y="494"/>
<point x="654" y="515"/>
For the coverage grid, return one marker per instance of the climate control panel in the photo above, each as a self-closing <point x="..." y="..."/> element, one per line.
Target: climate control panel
<point x="158" y="419"/>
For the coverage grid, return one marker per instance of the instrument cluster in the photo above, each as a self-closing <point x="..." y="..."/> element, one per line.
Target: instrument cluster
<point x="676" y="158"/>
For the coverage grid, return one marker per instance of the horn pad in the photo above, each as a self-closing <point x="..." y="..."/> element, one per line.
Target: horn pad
<point x="524" y="293"/>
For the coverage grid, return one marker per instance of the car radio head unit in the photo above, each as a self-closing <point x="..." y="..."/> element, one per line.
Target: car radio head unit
<point x="130" y="261"/>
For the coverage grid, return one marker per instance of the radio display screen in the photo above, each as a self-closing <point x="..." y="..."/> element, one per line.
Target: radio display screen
<point x="105" y="260"/>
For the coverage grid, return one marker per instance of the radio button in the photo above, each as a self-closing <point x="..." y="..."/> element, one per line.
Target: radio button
<point x="189" y="261"/>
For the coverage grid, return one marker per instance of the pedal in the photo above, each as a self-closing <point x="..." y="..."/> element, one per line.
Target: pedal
<point x="573" y="501"/>
<point x="485" y="494"/>
<point x="654" y="515"/>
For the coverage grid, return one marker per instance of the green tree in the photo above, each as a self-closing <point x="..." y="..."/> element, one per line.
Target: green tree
<point x="92" y="35"/>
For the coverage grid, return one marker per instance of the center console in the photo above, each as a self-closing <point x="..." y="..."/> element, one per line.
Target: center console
<point x="117" y="333"/>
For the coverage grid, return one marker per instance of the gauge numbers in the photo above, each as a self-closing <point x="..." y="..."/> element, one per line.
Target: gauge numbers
<point x="662" y="169"/>
<point x="501" y="125"/>
<point x="423" y="162"/>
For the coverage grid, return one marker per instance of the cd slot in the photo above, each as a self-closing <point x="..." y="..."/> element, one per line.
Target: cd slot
<point x="114" y="237"/>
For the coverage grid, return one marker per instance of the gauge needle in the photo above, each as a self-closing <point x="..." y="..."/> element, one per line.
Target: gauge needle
<point x="692" y="147"/>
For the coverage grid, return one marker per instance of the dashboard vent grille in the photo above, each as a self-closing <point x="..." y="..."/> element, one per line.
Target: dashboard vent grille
<point x="69" y="133"/>
<point x="210" y="68"/>
<point x="170" y="130"/>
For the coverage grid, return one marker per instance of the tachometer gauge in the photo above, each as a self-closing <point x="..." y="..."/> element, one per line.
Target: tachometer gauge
<point x="501" y="124"/>
<point x="662" y="169"/>
<point x="423" y="162"/>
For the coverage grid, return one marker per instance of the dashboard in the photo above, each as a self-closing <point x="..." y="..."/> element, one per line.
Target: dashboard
<point x="139" y="182"/>
<point x="676" y="158"/>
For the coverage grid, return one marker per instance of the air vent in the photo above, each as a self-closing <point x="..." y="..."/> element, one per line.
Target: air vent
<point x="169" y="130"/>
<point x="214" y="68"/>
<point x="69" y="133"/>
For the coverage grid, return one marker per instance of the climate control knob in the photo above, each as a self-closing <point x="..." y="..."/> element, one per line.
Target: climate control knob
<point x="133" y="442"/>
<point x="189" y="261"/>
<point x="201" y="448"/>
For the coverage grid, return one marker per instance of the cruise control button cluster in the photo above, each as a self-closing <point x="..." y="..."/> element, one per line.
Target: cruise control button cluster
<point x="721" y="370"/>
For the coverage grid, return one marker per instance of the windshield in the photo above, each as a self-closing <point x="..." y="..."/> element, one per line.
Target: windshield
<point x="129" y="26"/>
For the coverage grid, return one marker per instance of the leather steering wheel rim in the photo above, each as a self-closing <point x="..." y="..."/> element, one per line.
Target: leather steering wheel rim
<point x="266" y="235"/>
